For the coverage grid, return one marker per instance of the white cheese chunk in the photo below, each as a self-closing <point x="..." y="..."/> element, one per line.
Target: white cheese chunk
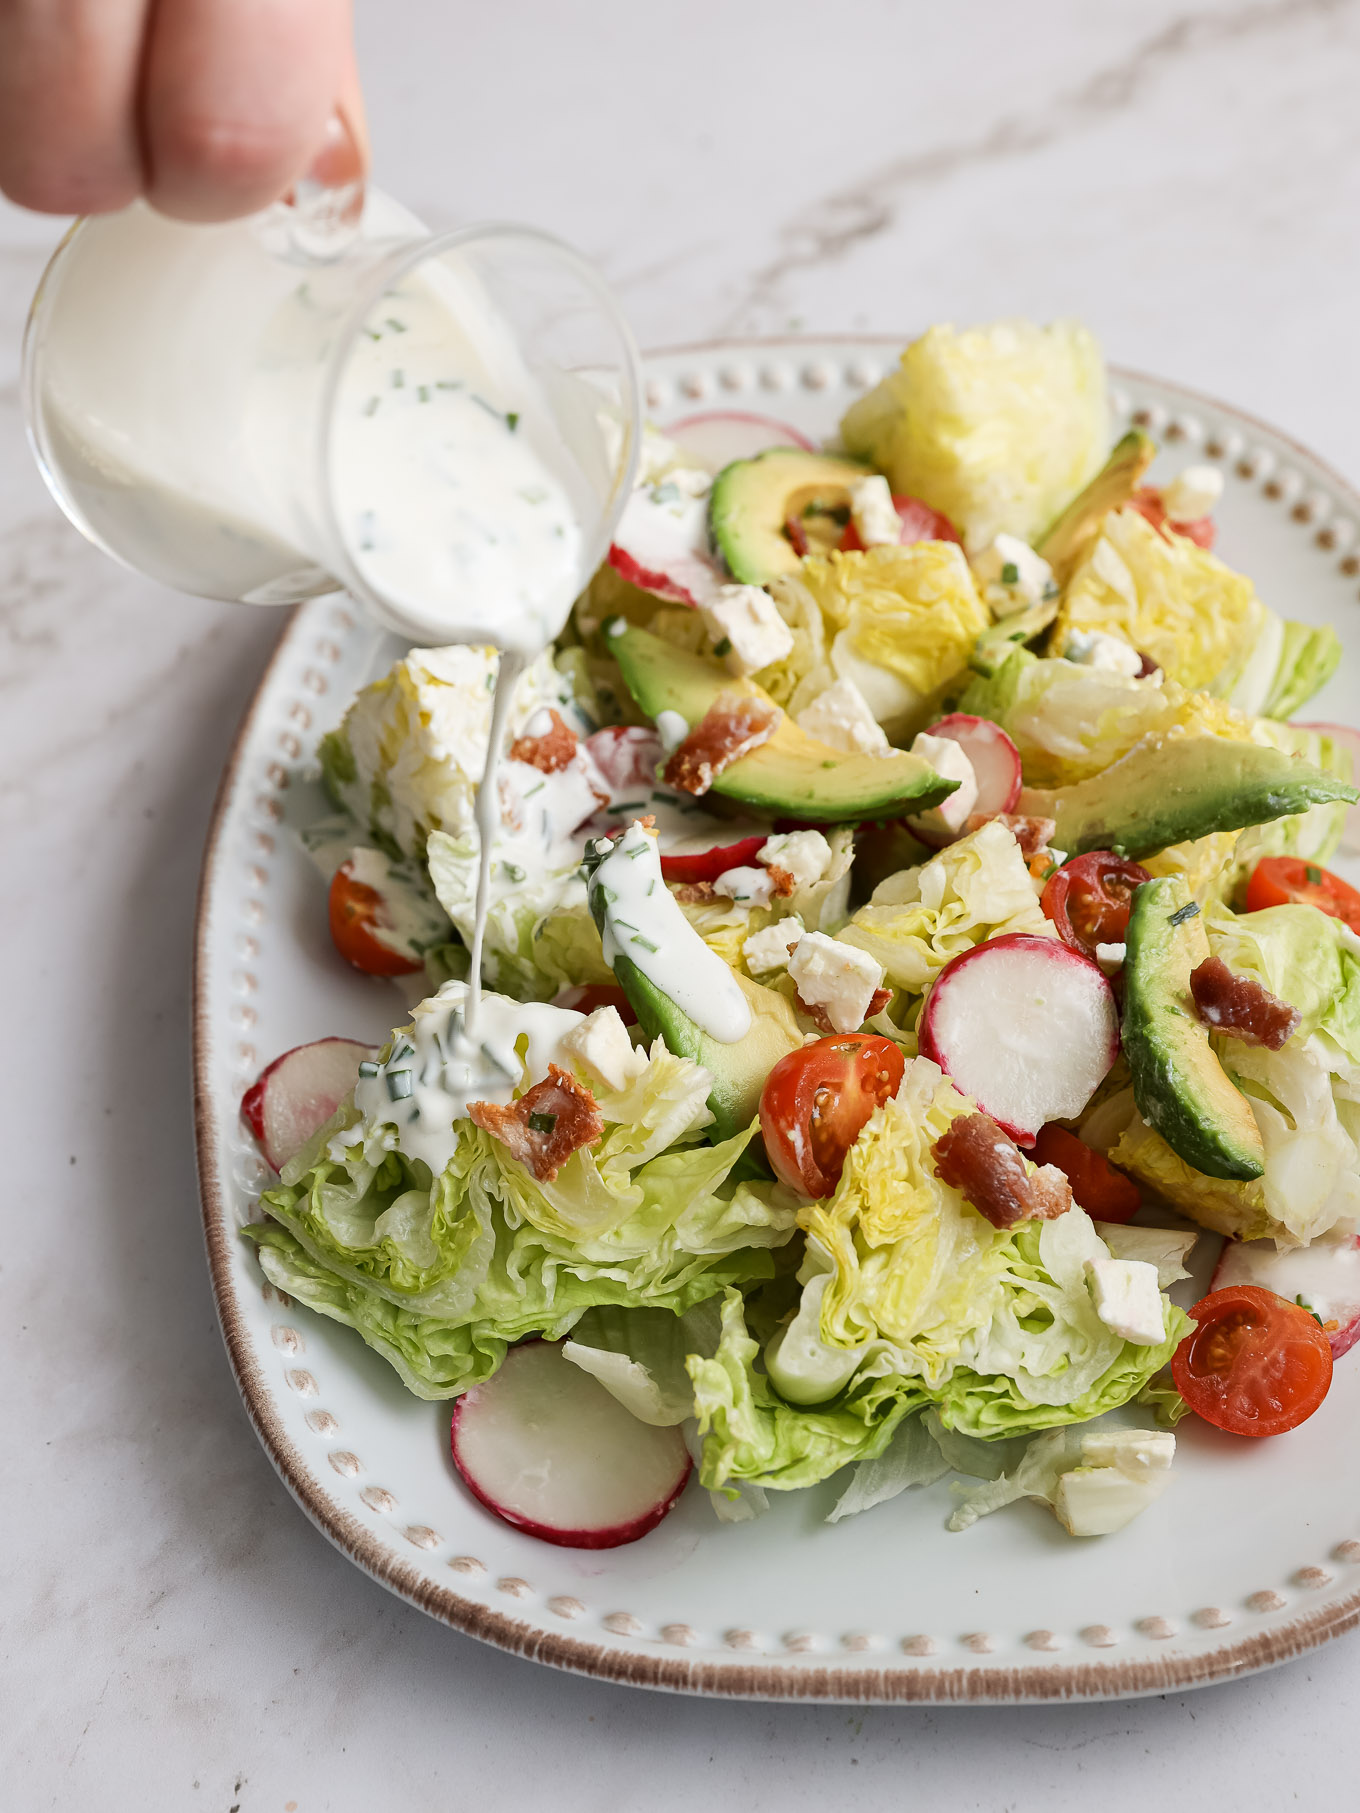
<point x="1127" y="1299"/>
<point x="1110" y="957"/>
<point x="771" y="948"/>
<point x="950" y="761"/>
<point x="601" y="1044"/>
<point x="874" y="512"/>
<point x="1097" y="1501"/>
<point x="1012" y="563"/>
<point x="746" y="628"/>
<point x="672" y="729"/>
<point x="749" y="886"/>
<point x="840" y="717"/>
<point x="836" y="977"/>
<point x="1096" y="648"/>
<point x="1192" y="493"/>
<point x="806" y="855"/>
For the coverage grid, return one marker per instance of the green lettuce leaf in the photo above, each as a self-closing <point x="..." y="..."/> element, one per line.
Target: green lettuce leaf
<point x="1308" y="659"/>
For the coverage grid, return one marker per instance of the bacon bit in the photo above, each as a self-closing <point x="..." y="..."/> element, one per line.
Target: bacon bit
<point x="822" y="1020"/>
<point x="797" y="534"/>
<point x="974" y="1156"/>
<point x="695" y="893"/>
<point x="549" y="753"/>
<point x="784" y="884"/>
<point x="734" y="724"/>
<point x="1241" y="1006"/>
<point x="546" y="1125"/>
<point x="1032" y="834"/>
<point x="1147" y="668"/>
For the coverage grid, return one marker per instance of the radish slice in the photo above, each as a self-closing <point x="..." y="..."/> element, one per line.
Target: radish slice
<point x="298" y="1093"/>
<point x="1025" y="1026"/>
<point x="1343" y="733"/>
<point x="719" y="436"/>
<point x="1323" y="1277"/>
<point x="700" y="859"/>
<point x="545" y="1446"/>
<point x="995" y="759"/>
<point x="663" y="547"/>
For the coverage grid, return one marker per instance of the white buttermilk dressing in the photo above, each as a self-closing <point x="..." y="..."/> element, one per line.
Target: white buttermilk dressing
<point x="438" y="1067"/>
<point x="444" y="498"/>
<point x="643" y="922"/>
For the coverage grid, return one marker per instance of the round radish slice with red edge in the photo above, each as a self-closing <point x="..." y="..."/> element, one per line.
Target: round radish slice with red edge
<point x="1024" y="1026"/>
<point x="995" y="759"/>
<point x="719" y="436"/>
<point x="545" y="1447"/>
<point x="1349" y="739"/>
<point x="298" y="1093"/>
<point x="699" y="859"/>
<point x="1323" y="1278"/>
<point x="661" y="545"/>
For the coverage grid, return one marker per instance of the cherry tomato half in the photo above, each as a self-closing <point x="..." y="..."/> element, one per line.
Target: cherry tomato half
<point x="919" y="523"/>
<point x="356" y="913"/>
<point x="816" y="1100"/>
<point x="1147" y="501"/>
<point x="1286" y="880"/>
<point x="1089" y="898"/>
<point x="1104" y="1193"/>
<point x="1255" y="1364"/>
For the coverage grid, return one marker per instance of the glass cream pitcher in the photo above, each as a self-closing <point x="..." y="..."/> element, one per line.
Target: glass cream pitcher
<point x="327" y="396"/>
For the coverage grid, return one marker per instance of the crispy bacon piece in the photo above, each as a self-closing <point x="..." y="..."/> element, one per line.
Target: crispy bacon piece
<point x="1032" y="834"/>
<point x="1241" y="1006"/>
<point x="734" y="724"/>
<point x="694" y="893"/>
<point x="974" y="1156"/>
<point x="784" y="884"/>
<point x="551" y="752"/>
<point x="822" y="1020"/>
<point x="546" y="1125"/>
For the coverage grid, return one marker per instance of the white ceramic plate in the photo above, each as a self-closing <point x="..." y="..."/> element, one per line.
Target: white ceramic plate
<point x="1252" y="1557"/>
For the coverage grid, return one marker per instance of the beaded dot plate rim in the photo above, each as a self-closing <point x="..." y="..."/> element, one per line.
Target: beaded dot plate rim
<point x="797" y="1664"/>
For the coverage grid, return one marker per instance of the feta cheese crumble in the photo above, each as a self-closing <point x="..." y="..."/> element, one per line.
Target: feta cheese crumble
<point x="1096" y="648"/>
<point x="874" y="512"/>
<point x="748" y="632"/>
<point x="601" y="1044"/>
<point x="1192" y="493"/>
<point x="950" y="761"/>
<point x="840" y="717"/>
<point x="1012" y="563"/>
<point x="836" y="977"/>
<point x="771" y="948"/>
<point x="672" y="729"/>
<point x="1127" y="1299"/>
<point x="1110" y="957"/>
<point x="806" y="855"/>
<point x="747" y="886"/>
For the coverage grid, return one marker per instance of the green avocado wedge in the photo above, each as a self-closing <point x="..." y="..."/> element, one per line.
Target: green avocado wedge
<point x="1170" y="789"/>
<point x="753" y="499"/>
<point x="790" y="776"/>
<point x="1181" y="1089"/>
<point x="1066" y="540"/>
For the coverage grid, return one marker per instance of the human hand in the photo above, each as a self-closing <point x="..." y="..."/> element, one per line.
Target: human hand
<point x="208" y="108"/>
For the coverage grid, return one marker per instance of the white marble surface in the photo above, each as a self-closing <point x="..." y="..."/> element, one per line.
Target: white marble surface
<point x="1186" y="176"/>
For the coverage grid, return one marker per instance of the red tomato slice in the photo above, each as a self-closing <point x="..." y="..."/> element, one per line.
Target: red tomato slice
<point x="1088" y="900"/>
<point x="356" y="911"/>
<point x="1286" y="880"/>
<point x="1104" y="1193"/>
<point x="1147" y="501"/>
<point x="587" y="996"/>
<point x="919" y="523"/>
<point x="816" y="1100"/>
<point x="1255" y="1364"/>
<point x="708" y="865"/>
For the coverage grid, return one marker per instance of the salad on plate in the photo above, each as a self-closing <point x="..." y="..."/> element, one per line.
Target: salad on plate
<point x="908" y="929"/>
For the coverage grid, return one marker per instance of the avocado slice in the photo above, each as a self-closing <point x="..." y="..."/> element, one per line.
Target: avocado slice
<point x="996" y="645"/>
<point x="1066" y="540"/>
<point x="790" y="776"/>
<point x="1181" y="1089"/>
<point x="1170" y="789"/>
<point x="752" y="499"/>
<point x="738" y="1069"/>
